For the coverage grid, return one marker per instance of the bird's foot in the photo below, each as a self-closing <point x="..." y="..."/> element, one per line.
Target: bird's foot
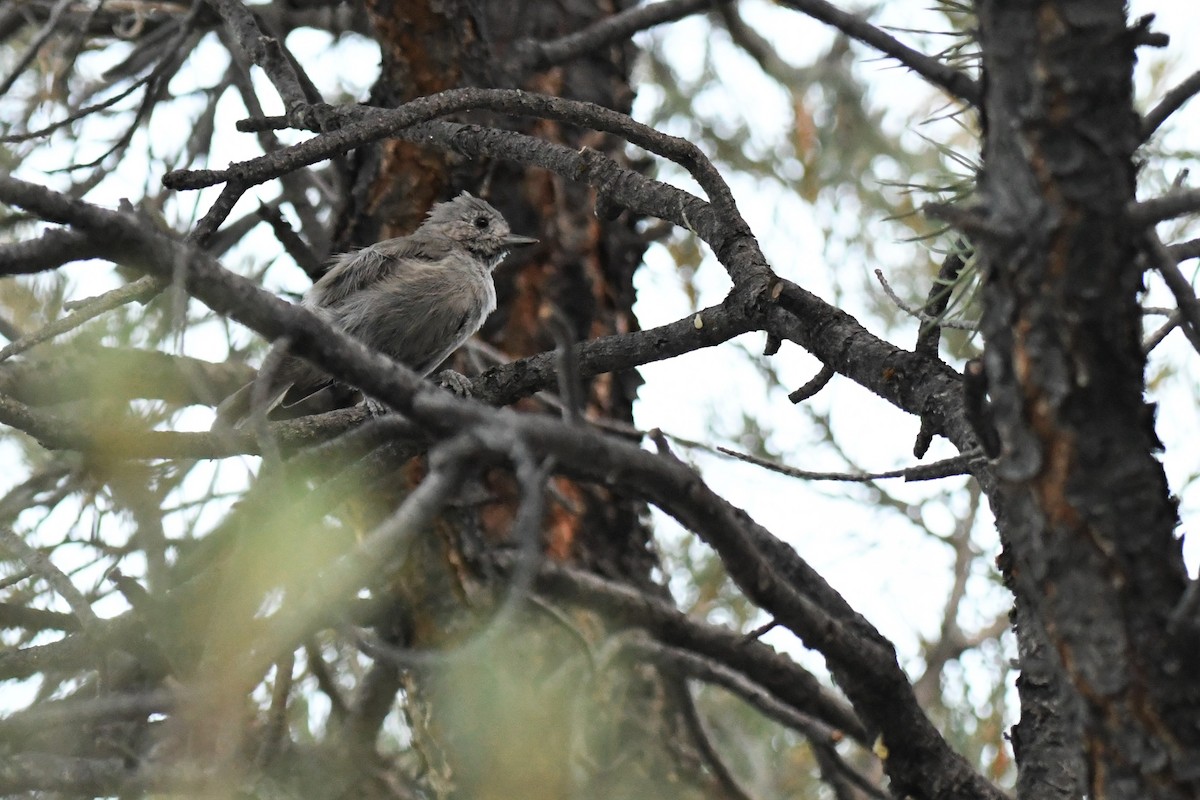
<point x="375" y="408"/>
<point x="454" y="382"/>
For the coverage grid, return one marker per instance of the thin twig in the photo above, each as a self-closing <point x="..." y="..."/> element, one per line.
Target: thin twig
<point x="1181" y="288"/>
<point x="815" y="384"/>
<point x="694" y="720"/>
<point x="931" y="69"/>
<point x="938" y="300"/>
<point x="75" y="711"/>
<point x="263" y="50"/>
<point x="59" y="582"/>
<point x="296" y="247"/>
<point x="325" y="682"/>
<point x="276" y="722"/>
<point x="948" y="467"/>
<point x="79" y="114"/>
<point x="156" y="82"/>
<point x="140" y="290"/>
<point x="833" y="765"/>
<point x="1169" y="206"/>
<point x="295" y="185"/>
<point x="1171" y="102"/>
<point x="760" y="631"/>
<point x="760" y="49"/>
<point x="615" y="28"/>
<point x="560" y="618"/>
<point x="712" y="671"/>
<point x="35" y="46"/>
<point x="920" y="314"/>
<point x="1156" y="338"/>
<point x="787" y="682"/>
<point x="1185" y="612"/>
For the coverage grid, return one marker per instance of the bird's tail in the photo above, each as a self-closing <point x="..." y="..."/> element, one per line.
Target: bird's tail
<point x="235" y="409"/>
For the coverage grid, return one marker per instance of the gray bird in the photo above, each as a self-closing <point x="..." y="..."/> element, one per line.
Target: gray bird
<point x="416" y="298"/>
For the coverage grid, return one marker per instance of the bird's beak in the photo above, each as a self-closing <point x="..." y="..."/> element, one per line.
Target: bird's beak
<point x="512" y="240"/>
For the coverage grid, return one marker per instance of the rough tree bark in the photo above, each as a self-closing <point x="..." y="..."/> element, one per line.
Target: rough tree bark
<point x="1110" y="696"/>
<point x="505" y="734"/>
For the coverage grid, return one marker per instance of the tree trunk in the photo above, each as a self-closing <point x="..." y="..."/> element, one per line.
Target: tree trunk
<point x="527" y="718"/>
<point x="1089" y="524"/>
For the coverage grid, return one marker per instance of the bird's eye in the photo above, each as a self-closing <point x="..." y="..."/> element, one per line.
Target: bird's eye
<point x="482" y="222"/>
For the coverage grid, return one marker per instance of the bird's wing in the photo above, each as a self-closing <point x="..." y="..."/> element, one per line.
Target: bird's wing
<point x="418" y="316"/>
<point x="352" y="272"/>
<point x="417" y="247"/>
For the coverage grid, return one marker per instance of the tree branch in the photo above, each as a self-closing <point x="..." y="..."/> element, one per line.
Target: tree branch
<point x="951" y="80"/>
<point x="1171" y="102"/>
<point x="1158" y="209"/>
<point x="610" y="30"/>
<point x="50" y="250"/>
<point x="770" y="573"/>
<point x="138" y="291"/>
<point x="787" y="682"/>
<point x="264" y="51"/>
<point x="1167" y="266"/>
<point x="149" y="374"/>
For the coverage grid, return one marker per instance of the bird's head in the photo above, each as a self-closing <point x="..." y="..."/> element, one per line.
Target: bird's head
<point x="475" y="225"/>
